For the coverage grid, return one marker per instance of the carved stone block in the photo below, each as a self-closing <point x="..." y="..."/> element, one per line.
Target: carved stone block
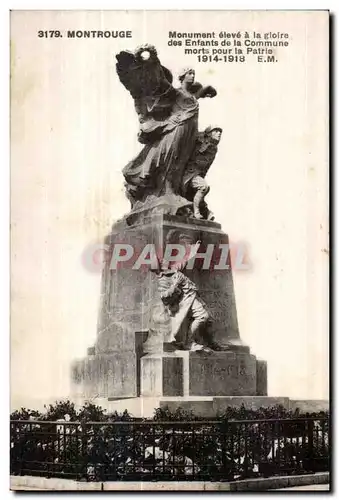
<point x="110" y="375"/>
<point x="222" y="374"/>
<point x="164" y="374"/>
<point x="184" y="373"/>
<point x="261" y="377"/>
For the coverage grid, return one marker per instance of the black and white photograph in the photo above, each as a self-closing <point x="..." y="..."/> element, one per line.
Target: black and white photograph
<point x="169" y="293"/>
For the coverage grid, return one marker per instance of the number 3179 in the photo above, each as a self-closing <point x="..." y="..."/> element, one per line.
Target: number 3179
<point x="49" y="34"/>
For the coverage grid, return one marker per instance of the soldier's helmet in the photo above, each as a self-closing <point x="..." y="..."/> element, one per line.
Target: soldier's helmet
<point x="210" y="129"/>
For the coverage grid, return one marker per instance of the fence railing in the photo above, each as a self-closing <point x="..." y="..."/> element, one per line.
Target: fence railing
<point x="166" y="451"/>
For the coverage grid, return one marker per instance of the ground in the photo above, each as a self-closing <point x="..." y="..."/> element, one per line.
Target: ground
<point x="310" y="487"/>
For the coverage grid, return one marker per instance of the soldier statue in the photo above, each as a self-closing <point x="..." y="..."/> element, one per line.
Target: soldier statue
<point x="195" y="185"/>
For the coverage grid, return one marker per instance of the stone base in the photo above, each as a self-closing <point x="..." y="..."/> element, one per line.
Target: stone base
<point x="250" y="403"/>
<point x="164" y="374"/>
<point x="310" y="405"/>
<point x="222" y="374"/>
<point x="101" y="375"/>
<point x="215" y="406"/>
<point x="183" y="373"/>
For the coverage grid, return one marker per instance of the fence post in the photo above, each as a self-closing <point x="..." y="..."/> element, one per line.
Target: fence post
<point x="84" y="450"/>
<point x="22" y="454"/>
<point x="224" y="441"/>
<point x="310" y="444"/>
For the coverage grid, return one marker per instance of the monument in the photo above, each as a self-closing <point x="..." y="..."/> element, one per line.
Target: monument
<point x="168" y="324"/>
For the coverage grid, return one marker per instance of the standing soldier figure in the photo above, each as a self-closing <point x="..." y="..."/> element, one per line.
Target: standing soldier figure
<point x="195" y="185"/>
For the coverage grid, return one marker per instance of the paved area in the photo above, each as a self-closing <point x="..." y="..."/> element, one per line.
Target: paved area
<point x="310" y="487"/>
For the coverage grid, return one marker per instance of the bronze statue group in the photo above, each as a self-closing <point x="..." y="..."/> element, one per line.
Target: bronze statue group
<point x="176" y="156"/>
<point x="171" y="166"/>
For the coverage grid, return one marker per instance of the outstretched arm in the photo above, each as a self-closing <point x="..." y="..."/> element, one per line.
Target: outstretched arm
<point x="200" y="91"/>
<point x="208" y="91"/>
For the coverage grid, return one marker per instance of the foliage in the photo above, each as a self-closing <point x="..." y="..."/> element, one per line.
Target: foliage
<point x="26" y="414"/>
<point x="81" y="443"/>
<point x="92" y="413"/>
<point x="239" y="413"/>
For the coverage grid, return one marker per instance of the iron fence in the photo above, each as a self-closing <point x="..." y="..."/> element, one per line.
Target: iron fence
<point x="175" y="450"/>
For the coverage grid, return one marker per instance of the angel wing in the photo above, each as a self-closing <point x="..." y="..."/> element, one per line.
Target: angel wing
<point x="150" y="85"/>
<point x="142" y="74"/>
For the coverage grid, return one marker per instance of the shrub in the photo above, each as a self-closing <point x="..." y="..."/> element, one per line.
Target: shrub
<point x="222" y="450"/>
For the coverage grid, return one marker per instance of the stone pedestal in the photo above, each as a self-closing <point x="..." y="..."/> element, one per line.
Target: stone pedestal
<point x="105" y="376"/>
<point x="129" y="292"/>
<point x="123" y="364"/>
<point x="164" y="374"/>
<point x="222" y="374"/>
<point x="110" y="367"/>
<point x="184" y="373"/>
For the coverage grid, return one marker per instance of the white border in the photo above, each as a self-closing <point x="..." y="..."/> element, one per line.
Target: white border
<point x="4" y="182"/>
<point x="170" y="5"/>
